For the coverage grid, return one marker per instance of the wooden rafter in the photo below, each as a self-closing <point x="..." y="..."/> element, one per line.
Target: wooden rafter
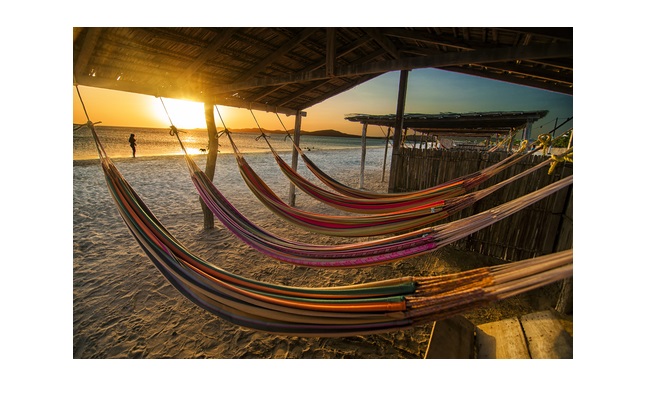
<point x="265" y="62"/>
<point x="209" y="52"/>
<point x="446" y="59"/>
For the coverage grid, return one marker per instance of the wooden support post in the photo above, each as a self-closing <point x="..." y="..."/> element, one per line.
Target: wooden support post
<point x="387" y="141"/>
<point x="398" y="126"/>
<point x="211" y="158"/>
<point x="527" y="133"/>
<point x="364" y="154"/>
<point x="553" y="136"/>
<point x="330" y="52"/>
<point x="294" y="156"/>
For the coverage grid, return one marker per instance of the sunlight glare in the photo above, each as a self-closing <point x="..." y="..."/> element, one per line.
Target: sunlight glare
<point x="183" y="114"/>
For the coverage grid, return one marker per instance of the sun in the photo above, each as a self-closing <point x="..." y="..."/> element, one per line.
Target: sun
<point x="182" y="114"/>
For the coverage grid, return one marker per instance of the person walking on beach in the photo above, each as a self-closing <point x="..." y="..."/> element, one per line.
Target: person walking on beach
<point x="131" y="140"/>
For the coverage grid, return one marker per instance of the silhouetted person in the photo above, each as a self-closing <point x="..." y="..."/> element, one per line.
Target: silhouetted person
<point x="131" y="140"/>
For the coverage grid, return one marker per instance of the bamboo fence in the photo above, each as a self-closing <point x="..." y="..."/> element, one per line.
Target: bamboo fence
<point x="543" y="228"/>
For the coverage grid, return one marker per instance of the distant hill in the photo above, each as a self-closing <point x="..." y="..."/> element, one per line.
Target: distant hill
<point x="324" y="132"/>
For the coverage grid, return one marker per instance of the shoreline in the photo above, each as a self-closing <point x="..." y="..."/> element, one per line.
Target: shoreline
<point x="282" y="152"/>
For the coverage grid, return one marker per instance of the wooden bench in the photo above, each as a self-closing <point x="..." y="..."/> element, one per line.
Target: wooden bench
<point x="539" y="335"/>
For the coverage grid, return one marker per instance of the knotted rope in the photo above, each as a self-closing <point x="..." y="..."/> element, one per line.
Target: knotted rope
<point x="557" y="159"/>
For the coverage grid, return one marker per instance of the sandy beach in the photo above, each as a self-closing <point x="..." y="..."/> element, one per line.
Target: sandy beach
<point x="124" y="308"/>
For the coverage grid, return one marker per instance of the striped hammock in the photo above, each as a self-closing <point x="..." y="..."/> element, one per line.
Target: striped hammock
<point x="451" y="188"/>
<point x="386" y="222"/>
<point x="375" y="307"/>
<point x="361" y="254"/>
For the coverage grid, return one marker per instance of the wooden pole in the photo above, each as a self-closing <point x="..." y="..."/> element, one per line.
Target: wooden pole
<point x="211" y="158"/>
<point x="527" y="132"/>
<point x="398" y="126"/>
<point x="330" y="52"/>
<point x="553" y="136"/>
<point x="294" y="156"/>
<point x="364" y="154"/>
<point x="387" y="141"/>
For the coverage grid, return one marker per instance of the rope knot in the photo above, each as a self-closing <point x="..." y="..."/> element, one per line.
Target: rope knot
<point x="224" y="132"/>
<point x="545" y="140"/>
<point x="557" y="159"/>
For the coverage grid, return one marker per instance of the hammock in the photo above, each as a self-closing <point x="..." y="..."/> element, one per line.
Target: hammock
<point x="400" y="202"/>
<point x="353" y="255"/>
<point x="374" y="307"/>
<point x="366" y="225"/>
<point x="452" y="188"/>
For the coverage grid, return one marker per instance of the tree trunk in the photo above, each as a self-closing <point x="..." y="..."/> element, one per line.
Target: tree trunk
<point x="211" y="157"/>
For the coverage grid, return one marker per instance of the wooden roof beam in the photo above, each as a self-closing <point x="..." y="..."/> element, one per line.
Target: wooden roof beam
<point x="319" y="65"/>
<point x="548" y="85"/>
<point x="383" y="42"/>
<point x="285" y="48"/>
<point x="339" y="90"/>
<point x="91" y="38"/>
<point x="556" y="50"/>
<point x="531" y="72"/>
<point x="208" y="53"/>
<point x="178" y="92"/>
<point x="240" y="103"/>
<point x="330" y="51"/>
<point x="558" y="33"/>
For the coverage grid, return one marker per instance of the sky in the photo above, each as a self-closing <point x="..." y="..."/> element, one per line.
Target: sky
<point x="430" y="91"/>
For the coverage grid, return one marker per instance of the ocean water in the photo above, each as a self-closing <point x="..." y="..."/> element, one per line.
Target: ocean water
<point x="158" y="142"/>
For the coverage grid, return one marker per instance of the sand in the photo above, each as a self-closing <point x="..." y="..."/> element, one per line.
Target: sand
<point x="124" y="308"/>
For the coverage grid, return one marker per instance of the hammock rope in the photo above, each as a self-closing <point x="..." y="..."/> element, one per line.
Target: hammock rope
<point x="376" y="307"/>
<point x="557" y="159"/>
<point x="288" y="135"/>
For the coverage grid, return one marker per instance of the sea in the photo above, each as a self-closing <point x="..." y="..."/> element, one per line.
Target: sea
<point x="159" y="142"/>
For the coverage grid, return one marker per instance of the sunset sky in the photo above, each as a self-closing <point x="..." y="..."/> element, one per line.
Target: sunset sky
<point x="430" y="91"/>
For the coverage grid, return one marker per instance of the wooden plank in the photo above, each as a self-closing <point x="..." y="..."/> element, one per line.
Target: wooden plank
<point x="546" y="337"/>
<point x="501" y="340"/>
<point x="452" y="338"/>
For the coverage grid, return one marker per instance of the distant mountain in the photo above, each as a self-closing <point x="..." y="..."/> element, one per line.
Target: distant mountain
<point x="324" y="132"/>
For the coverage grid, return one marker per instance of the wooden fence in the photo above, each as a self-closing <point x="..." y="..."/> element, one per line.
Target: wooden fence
<point x="542" y="228"/>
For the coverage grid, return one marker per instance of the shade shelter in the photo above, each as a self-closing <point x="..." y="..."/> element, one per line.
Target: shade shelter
<point x="464" y="125"/>
<point x="289" y="69"/>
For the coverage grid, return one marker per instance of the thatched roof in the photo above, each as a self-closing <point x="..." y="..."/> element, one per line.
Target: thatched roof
<point x="291" y="69"/>
<point x="473" y="124"/>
